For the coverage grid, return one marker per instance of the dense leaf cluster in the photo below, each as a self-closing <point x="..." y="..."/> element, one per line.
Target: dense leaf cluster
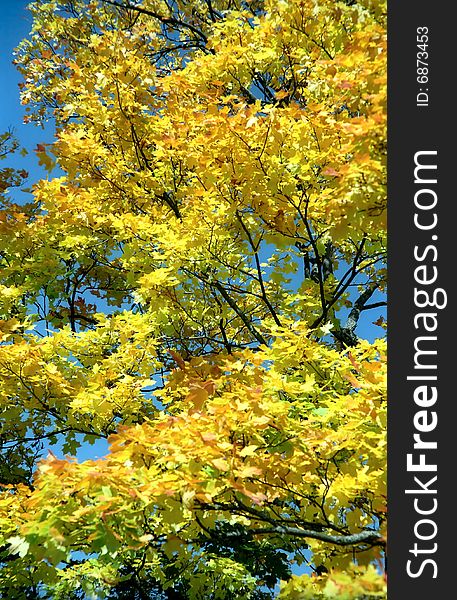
<point x="186" y="290"/>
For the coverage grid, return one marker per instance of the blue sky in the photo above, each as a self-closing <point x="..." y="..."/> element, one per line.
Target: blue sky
<point x="15" y="24"/>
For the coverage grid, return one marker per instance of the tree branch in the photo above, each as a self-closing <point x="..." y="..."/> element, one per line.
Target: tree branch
<point x="364" y="537"/>
<point x="259" y="270"/>
<point x="159" y="17"/>
<point x="240" y="313"/>
<point x="347" y="333"/>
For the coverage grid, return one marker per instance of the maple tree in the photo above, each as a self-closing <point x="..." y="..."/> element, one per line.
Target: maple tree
<point x="188" y="287"/>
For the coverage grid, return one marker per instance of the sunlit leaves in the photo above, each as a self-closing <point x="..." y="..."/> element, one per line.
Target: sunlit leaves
<point x="181" y="290"/>
<point x="356" y="583"/>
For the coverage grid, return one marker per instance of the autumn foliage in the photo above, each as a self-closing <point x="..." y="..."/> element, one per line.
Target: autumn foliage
<point x="189" y="284"/>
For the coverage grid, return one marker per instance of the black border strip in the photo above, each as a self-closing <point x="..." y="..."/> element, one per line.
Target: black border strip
<point x="417" y="128"/>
